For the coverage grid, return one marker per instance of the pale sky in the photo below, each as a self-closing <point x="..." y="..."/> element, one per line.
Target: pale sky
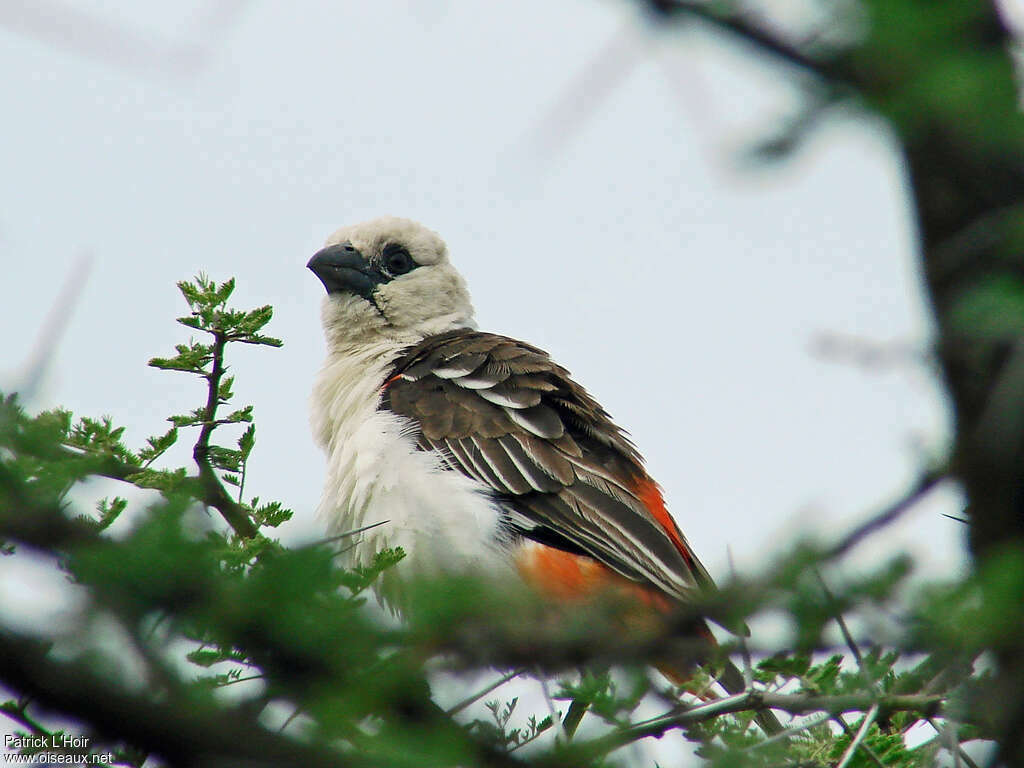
<point x="588" y="173"/>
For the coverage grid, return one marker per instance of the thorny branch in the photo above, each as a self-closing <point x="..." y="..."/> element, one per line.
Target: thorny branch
<point x="796" y="704"/>
<point x="213" y="492"/>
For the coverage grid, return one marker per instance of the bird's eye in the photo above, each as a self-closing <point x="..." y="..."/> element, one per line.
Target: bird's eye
<point x="397" y="261"/>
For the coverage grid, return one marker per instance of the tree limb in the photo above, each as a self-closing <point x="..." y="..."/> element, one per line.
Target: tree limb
<point x="795" y="704"/>
<point x="184" y="734"/>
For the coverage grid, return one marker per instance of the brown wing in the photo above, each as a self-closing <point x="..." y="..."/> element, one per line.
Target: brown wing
<point x="501" y="412"/>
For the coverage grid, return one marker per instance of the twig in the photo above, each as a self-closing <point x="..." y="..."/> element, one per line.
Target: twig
<point x="919" y="490"/>
<point x="748" y="666"/>
<point x="953" y="745"/>
<point x="204" y="487"/>
<point x="345" y="535"/>
<point x="241" y="481"/>
<point x="239" y="680"/>
<point x="755" y="34"/>
<point x="47" y="529"/>
<point x="796" y="704"/>
<point x="555" y="714"/>
<point x="844" y="629"/>
<point x="160" y="669"/>
<point x="958" y="752"/>
<point x="528" y="740"/>
<point x="858" y="657"/>
<point x="479" y="695"/>
<point x="212" y="495"/>
<point x="288" y="721"/>
<point x="865" y="726"/>
<point x="574" y="717"/>
<point x="19" y="714"/>
<point x="864" y="747"/>
<point x="792" y="731"/>
<point x="230" y="510"/>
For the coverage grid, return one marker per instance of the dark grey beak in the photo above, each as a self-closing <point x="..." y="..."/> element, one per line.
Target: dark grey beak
<point x="342" y="269"/>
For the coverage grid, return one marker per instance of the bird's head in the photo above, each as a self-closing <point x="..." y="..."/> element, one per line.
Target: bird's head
<point x="389" y="280"/>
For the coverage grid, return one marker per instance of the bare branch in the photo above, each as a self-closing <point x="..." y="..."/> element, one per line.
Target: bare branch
<point x="747" y="30"/>
<point x="888" y="515"/>
<point x="480" y="694"/>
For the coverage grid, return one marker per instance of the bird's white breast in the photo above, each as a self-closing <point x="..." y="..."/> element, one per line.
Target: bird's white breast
<point x="443" y="520"/>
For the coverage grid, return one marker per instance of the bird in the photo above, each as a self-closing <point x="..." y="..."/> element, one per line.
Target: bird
<point x="480" y="451"/>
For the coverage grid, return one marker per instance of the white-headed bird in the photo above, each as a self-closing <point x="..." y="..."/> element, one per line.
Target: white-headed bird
<point x="478" y="450"/>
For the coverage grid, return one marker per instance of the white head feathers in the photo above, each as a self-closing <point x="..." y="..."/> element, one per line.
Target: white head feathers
<point x="424" y="245"/>
<point x="389" y="280"/>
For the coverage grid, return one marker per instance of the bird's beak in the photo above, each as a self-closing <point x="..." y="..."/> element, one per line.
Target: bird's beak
<point x="343" y="269"/>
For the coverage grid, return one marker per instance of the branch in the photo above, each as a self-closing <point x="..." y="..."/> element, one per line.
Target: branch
<point x="183" y="734"/>
<point x="795" y="704"/>
<point x="200" y="488"/>
<point x="44" y="527"/>
<point x="19" y="713"/>
<point x="747" y="30"/>
<point x="525" y="639"/>
<point x="888" y="515"/>
<point x="480" y="694"/>
<point x="862" y="732"/>
<point x="214" y="493"/>
<point x="180" y="729"/>
<point x="206" y="489"/>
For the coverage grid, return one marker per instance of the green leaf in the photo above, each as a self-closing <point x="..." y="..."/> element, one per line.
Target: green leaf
<point x="786" y="665"/>
<point x="271" y="514"/>
<point x="100" y="436"/>
<point x="247" y="441"/>
<point x="242" y="414"/>
<point x="359" y="579"/>
<point x="109" y="511"/>
<point x="205" y="658"/>
<point x="161" y="480"/>
<point x="196" y="418"/>
<point x="225" y="458"/>
<point x="224" y="392"/>
<point x="821" y="678"/>
<point x="191" y="358"/>
<point x="156" y="446"/>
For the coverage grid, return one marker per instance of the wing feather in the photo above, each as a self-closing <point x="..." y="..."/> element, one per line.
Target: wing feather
<point x="503" y="413"/>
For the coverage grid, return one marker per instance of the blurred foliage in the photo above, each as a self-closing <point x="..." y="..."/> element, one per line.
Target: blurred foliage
<point x="200" y="640"/>
<point x="200" y="643"/>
